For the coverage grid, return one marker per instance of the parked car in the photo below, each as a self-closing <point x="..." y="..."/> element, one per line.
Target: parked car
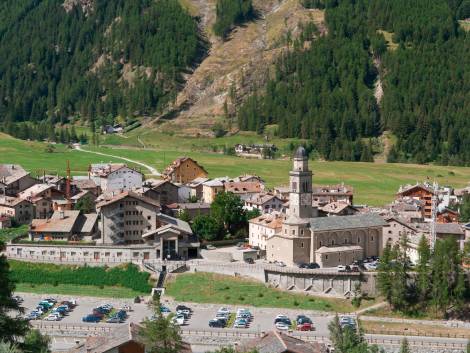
<point x="250" y="261"/>
<point x="284" y="319"/>
<point x="164" y="309"/>
<point x="114" y="320"/>
<point x="183" y="307"/>
<point x="280" y="263"/>
<point x="301" y="319"/>
<point x="178" y="320"/>
<point x="240" y="323"/>
<point x="224" y="310"/>
<point x="210" y="247"/>
<point x="282" y="326"/>
<point x="345" y="321"/>
<point x="220" y="323"/>
<point x="91" y="318"/>
<point x="306" y="326"/>
<point x="53" y="317"/>
<point x="341" y="268"/>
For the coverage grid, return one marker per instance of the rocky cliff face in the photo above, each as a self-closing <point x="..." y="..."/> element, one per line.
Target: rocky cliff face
<point x="85" y="5"/>
<point x="235" y="67"/>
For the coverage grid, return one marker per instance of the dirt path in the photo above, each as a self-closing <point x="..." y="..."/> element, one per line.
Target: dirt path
<point x="151" y="169"/>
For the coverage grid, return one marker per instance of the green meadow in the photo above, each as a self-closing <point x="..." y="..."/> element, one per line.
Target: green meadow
<point x="374" y="183"/>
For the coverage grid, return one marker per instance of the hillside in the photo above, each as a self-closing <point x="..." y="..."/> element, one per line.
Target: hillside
<point x="235" y="66"/>
<point x="342" y="77"/>
<point x="93" y="58"/>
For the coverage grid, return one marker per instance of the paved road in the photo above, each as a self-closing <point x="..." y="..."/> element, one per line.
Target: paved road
<point x="151" y="169"/>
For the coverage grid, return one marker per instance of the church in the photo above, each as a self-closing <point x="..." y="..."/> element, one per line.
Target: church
<point x="329" y="241"/>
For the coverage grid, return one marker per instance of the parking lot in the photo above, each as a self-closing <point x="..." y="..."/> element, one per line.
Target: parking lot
<point x="262" y="320"/>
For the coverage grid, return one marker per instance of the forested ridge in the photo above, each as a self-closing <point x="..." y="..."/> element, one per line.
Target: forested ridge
<point x="324" y="91"/>
<point x="119" y="57"/>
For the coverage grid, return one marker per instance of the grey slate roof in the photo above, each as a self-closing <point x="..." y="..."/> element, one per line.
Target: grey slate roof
<point x="347" y="222"/>
<point x="276" y="342"/>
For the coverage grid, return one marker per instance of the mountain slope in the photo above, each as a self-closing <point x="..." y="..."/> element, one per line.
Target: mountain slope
<point x="92" y="57"/>
<point x="233" y="68"/>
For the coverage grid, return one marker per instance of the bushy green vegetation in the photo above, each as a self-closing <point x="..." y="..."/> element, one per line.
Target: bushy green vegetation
<point x="117" y="57"/>
<point x="325" y="93"/>
<point x="213" y="288"/>
<point x="230" y="13"/>
<point x="438" y="287"/>
<point x="127" y="276"/>
<point x="11" y="233"/>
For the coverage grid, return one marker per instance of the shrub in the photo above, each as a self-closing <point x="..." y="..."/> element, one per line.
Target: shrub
<point x="127" y="276"/>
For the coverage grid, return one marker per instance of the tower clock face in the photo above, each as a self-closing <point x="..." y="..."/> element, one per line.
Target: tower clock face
<point x="306" y="199"/>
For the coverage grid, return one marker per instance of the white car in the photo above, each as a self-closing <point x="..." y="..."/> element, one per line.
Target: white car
<point x="178" y="320"/>
<point x="225" y="311"/>
<point x="341" y="268"/>
<point x="282" y="326"/>
<point x="52" y="317"/>
<point x="184" y="311"/>
<point x="280" y="264"/>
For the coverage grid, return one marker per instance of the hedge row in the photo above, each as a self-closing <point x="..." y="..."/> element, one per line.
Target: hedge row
<point x="127" y="275"/>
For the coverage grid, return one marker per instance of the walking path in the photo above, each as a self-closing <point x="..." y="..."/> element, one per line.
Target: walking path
<point x="151" y="169"/>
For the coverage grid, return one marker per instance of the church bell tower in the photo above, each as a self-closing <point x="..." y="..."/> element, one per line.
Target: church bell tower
<point x="300" y="197"/>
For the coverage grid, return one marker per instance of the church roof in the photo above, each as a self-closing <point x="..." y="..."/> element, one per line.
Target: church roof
<point x="347" y="222"/>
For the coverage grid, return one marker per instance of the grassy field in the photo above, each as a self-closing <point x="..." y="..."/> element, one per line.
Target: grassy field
<point x="374" y="183"/>
<point x="72" y="289"/>
<point x="214" y="288"/>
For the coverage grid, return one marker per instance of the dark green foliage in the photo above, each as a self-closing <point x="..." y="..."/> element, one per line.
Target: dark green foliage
<point x="324" y="93"/>
<point x="464" y="209"/>
<point x="227" y="209"/>
<point x="207" y="227"/>
<point x="35" y="273"/>
<point x="438" y="284"/>
<point x="347" y="340"/>
<point x="49" y="57"/>
<point x="86" y="204"/>
<point x="230" y="13"/>
<point x="11" y="325"/>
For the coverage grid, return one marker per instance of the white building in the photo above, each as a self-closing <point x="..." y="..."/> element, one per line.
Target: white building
<point x="263" y="227"/>
<point x="114" y="177"/>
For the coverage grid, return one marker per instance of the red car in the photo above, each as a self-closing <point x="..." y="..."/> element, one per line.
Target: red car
<point x="305" y="327"/>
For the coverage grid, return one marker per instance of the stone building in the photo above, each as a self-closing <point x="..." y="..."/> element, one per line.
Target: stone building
<point x="325" y="194"/>
<point x="125" y="217"/>
<point x="162" y="191"/>
<point x="17" y="208"/>
<point x="184" y="170"/>
<point x="265" y="203"/>
<point x="14" y="179"/>
<point x="329" y="241"/>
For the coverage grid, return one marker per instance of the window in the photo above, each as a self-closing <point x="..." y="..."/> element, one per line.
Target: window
<point x="51" y="252"/>
<point x="302" y="232"/>
<point x="302" y="245"/>
<point x="135" y="254"/>
<point x="106" y="254"/>
<point x="85" y="253"/>
<point x="326" y="257"/>
<point x="119" y="254"/>
<point x="72" y="253"/>
<point x="345" y="241"/>
<point x="321" y="244"/>
<point x="372" y="238"/>
<point x="332" y="242"/>
<point x="293" y="231"/>
<point x="149" y="217"/>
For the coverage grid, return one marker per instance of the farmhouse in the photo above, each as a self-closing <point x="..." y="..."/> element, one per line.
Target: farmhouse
<point x="184" y="170"/>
